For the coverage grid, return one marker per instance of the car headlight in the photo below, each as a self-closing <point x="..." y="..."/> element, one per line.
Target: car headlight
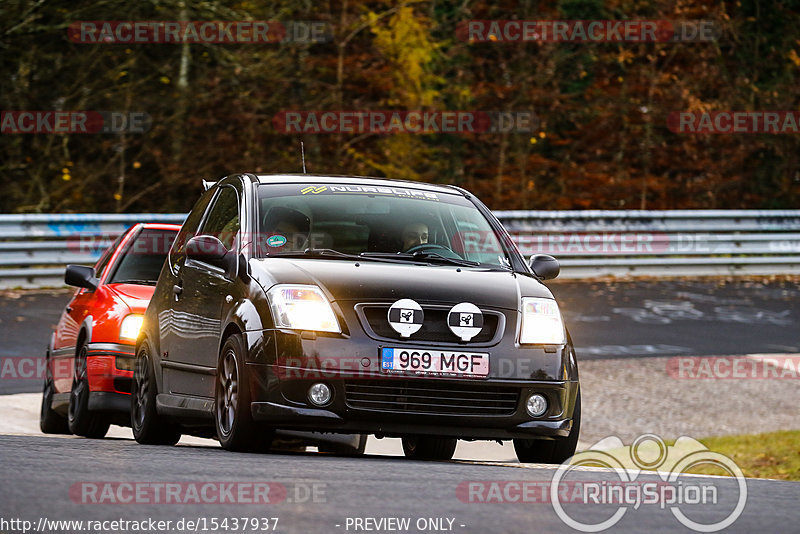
<point x="302" y="307"/>
<point x="541" y="322"/>
<point x="131" y="326"/>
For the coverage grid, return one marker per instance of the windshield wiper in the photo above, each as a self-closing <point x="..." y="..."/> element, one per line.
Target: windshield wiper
<point x="386" y="257"/>
<point x="135" y="281"/>
<point x="313" y="252"/>
<point x="320" y="253"/>
<point x="424" y="257"/>
<point x="444" y="259"/>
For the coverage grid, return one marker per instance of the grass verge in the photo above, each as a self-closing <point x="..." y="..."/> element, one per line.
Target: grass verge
<point x="774" y="455"/>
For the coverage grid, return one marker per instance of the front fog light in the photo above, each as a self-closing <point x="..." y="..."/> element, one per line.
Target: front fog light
<point x="536" y="405"/>
<point x="319" y="394"/>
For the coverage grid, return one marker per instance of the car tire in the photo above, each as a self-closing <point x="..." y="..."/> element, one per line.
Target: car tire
<point x="149" y="428"/>
<point x="80" y="420"/>
<point x="555" y="451"/>
<point x="51" y="422"/>
<point x="344" y="450"/>
<point x="429" y="447"/>
<point x="236" y="429"/>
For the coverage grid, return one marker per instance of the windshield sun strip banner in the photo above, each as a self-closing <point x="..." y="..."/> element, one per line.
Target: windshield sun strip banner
<point x="313" y="189"/>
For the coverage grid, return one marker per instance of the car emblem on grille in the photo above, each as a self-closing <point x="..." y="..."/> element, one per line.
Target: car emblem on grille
<point x="405" y="317"/>
<point x="465" y="320"/>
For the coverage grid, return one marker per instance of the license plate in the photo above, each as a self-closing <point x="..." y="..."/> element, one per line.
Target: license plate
<point x="434" y="362"/>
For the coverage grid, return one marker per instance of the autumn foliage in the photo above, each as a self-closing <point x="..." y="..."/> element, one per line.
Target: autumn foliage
<point x="600" y="139"/>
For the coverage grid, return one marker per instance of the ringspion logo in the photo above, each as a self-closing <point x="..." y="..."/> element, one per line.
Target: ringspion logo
<point x="722" y="499"/>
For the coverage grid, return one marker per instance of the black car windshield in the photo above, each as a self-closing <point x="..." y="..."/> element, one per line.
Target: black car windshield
<point x="143" y="257"/>
<point x="381" y="222"/>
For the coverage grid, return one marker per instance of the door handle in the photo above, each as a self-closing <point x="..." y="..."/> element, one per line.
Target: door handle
<point x="177" y="290"/>
<point x="69" y="309"/>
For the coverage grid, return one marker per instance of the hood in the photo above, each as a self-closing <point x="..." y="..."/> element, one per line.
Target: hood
<point x="373" y="281"/>
<point x="135" y="296"/>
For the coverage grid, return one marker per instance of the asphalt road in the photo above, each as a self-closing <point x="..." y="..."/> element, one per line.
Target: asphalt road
<point x="605" y="319"/>
<point x="57" y="478"/>
<point x="672" y="318"/>
<point x="63" y="478"/>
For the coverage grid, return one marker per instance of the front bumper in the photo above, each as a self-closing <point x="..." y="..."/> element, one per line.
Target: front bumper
<point x="110" y="375"/>
<point x="289" y="417"/>
<point x="283" y="364"/>
<point x="395" y="406"/>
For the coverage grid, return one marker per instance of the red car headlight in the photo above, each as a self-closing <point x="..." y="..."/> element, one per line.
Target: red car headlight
<point x="130" y="326"/>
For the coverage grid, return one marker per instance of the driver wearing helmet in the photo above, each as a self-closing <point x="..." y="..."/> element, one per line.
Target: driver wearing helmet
<point x="291" y="226"/>
<point x="414" y="234"/>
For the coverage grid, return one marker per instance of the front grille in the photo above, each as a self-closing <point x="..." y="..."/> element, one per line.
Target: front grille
<point x="430" y="397"/>
<point x="434" y="328"/>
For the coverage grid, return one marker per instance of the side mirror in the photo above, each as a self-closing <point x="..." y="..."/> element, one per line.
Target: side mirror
<point x="81" y="276"/>
<point x="208" y="249"/>
<point x="544" y="266"/>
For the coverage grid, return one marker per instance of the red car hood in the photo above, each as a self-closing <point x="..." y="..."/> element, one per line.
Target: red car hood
<point x="135" y="296"/>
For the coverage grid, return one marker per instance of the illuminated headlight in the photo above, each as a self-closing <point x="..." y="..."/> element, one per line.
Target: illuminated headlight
<point x="131" y="326"/>
<point x="541" y="322"/>
<point x="302" y="308"/>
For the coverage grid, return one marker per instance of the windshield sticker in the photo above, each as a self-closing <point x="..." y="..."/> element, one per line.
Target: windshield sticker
<point x="405" y="317"/>
<point x="369" y="190"/>
<point x="276" y="240"/>
<point x="313" y="190"/>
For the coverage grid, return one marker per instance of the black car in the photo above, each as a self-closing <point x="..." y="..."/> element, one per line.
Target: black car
<point x="350" y="305"/>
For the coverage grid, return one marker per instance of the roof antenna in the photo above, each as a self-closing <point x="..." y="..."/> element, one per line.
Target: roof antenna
<point x="303" y="155"/>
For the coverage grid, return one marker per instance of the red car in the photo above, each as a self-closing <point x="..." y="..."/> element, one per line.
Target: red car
<point x="90" y="355"/>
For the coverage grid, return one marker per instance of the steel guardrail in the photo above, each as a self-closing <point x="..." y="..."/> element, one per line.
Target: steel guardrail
<point x="34" y="248"/>
<point x="596" y="243"/>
